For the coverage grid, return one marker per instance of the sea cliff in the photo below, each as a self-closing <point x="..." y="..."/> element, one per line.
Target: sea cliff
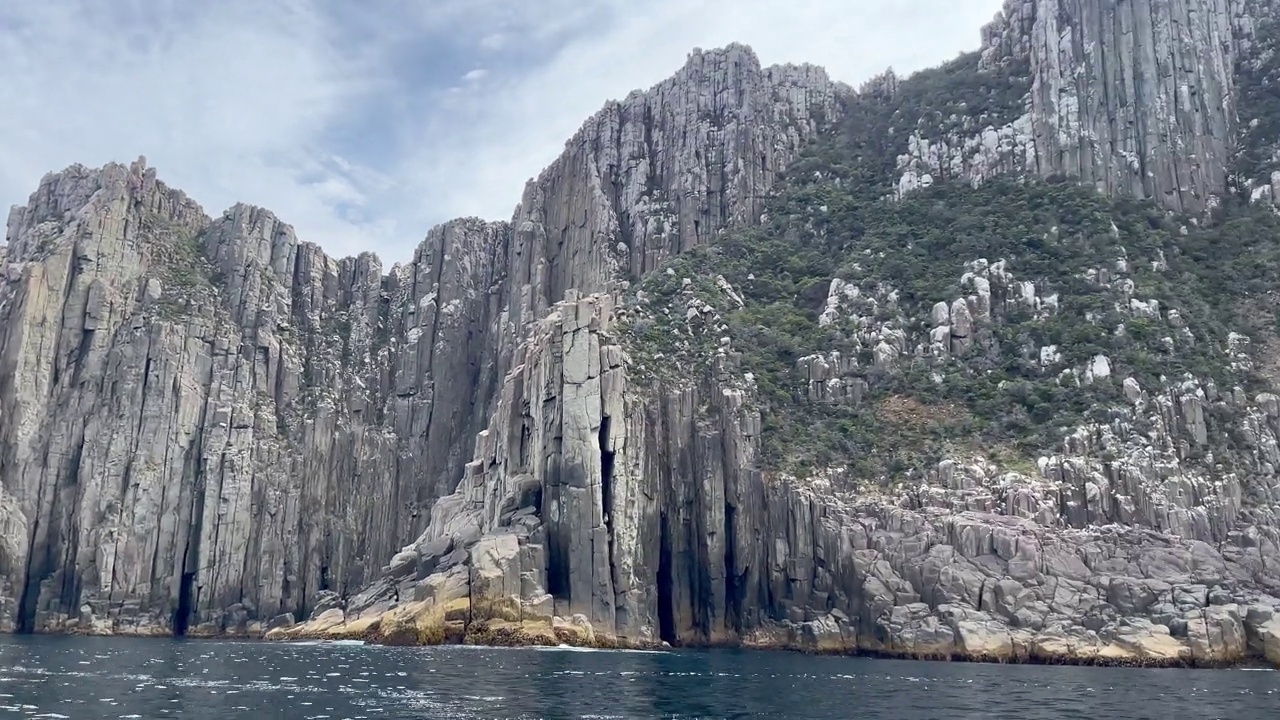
<point x="970" y="364"/>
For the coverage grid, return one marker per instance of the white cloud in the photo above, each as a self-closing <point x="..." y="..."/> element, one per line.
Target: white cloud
<point x="494" y="41"/>
<point x="229" y="103"/>
<point x="478" y="164"/>
<point x="238" y="102"/>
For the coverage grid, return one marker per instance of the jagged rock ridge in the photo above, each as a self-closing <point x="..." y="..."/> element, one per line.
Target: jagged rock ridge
<point x="206" y="423"/>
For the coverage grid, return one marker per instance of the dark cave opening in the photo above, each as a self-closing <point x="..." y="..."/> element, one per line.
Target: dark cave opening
<point x="666" y="596"/>
<point x="182" y="615"/>
<point x="26" y="620"/>
<point x="188" y="590"/>
<point x="45" y="543"/>
<point x="557" y="551"/>
<point x="606" y="478"/>
<point x="732" y="601"/>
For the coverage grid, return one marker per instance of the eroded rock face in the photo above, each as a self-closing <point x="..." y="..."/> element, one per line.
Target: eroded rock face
<point x="655" y="520"/>
<point x="239" y="427"/>
<point x="1136" y="98"/>
<point x="201" y="414"/>
<point x="206" y="423"/>
<point x="665" y="530"/>
<point x="661" y="172"/>
<point x="596" y="495"/>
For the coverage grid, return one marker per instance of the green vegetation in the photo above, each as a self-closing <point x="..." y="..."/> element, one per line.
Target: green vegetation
<point x="187" y="278"/>
<point x="1096" y="265"/>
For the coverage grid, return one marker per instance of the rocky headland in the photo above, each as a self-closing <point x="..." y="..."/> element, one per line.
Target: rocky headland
<point x="979" y="363"/>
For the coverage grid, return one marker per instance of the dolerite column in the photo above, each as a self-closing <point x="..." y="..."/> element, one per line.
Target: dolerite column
<point x="579" y="540"/>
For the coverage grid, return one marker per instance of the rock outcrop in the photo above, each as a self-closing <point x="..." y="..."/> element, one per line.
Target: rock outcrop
<point x="1141" y="98"/>
<point x="206" y="416"/>
<point x="623" y="479"/>
<point x="661" y="172"/>
<point x="587" y="498"/>
<point x="208" y="426"/>
<point x="667" y="530"/>
<point x="206" y="423"/>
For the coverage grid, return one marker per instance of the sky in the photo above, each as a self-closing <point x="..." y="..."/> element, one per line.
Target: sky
<point x="363" y="124"/>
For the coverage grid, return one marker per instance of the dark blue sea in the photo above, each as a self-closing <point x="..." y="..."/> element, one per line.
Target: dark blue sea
<point x="89" y="678"/>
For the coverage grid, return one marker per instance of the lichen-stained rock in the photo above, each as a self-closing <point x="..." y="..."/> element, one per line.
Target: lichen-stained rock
<point x="206" y="423"/>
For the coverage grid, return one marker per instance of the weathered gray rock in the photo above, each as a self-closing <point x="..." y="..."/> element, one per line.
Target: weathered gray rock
<point x="1137" y="98"/>
<point x="325" y="600"/>
<point x="196" y="407"/>
<point x="199" y="414"/>
<point x="205" y="423"/>
<point x="1270" y="638"/>
<point x="661" y="172"/>
<point x="657" y="525"/>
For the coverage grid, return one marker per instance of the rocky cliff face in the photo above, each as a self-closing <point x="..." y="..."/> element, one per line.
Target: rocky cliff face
<point x="639" y="500"/>
<point x="1256" y="170"/>
<point x="591" y="497"/>
<point x="201" y="415"/>
<point x="1139" y="98"/>
<point x="205" y="422"/>
<point x="661" y="172"/>
<point x="1017" y="424"/>
<point x="758" y="360"/>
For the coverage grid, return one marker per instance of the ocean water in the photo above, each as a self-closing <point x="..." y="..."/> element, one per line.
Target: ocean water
<point x="65" y="677"/>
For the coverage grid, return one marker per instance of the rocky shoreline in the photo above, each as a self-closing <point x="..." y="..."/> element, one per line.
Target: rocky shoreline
<point x="504" y="624"/>
<point x="1226" y="638"/>
<point x="515" y="635"/>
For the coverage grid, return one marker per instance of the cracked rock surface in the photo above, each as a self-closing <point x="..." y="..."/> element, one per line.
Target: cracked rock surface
<point x="648" y="509"/>
<point x="206" y="423"/>
<point x="208" y="426"/>
<point x="1143" y="98"/>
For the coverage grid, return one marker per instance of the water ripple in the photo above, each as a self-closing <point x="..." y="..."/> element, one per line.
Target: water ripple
<point x="89" y="678"/>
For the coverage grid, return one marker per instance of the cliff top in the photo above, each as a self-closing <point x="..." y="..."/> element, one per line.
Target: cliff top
<point x="727" y="68"/>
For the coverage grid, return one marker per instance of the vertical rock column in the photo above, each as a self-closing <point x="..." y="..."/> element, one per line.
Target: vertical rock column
<point x="579" y="559"/>
<point x="84" y="448"/>
<point x="1135" y="97"/>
